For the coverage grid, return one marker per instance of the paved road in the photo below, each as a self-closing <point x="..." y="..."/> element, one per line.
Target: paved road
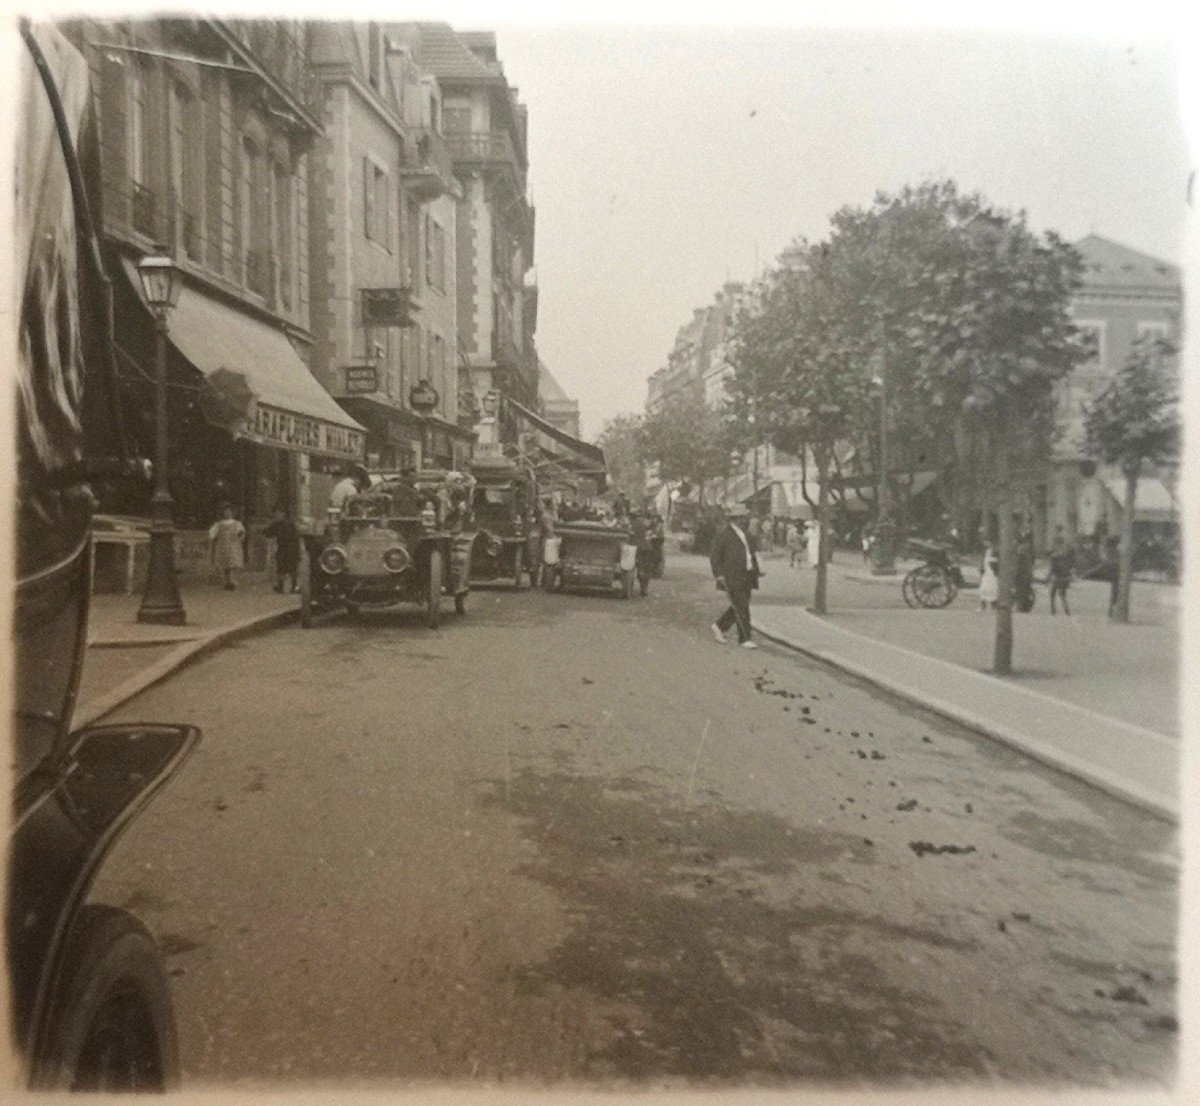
<point x="571" y="838"/>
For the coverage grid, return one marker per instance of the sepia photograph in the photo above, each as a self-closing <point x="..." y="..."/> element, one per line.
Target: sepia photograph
<point x="620" y="551"/>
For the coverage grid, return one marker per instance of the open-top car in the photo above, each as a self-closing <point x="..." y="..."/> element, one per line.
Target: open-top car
<point x="505" y="546"/>
<point x="590" y="555"/>
<point x="400" y="541"/>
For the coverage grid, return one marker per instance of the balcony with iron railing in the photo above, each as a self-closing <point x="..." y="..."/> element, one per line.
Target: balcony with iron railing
<point x="482" y="148"/>
<point x="433" y="173"/>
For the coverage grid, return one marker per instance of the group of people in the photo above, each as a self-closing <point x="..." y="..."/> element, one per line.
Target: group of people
<point x="1063" y="569"/>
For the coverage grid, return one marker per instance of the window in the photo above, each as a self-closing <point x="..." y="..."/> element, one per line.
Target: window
<point x="187" y="169"/>
<point x="435" y="254"/>
<point x="374" y="55"/>
<point x="137" y="128"/>
<point x="456" y="117"/>
<point x="375" y="204"/>
<point x="1093" y="332"/>
<point x="283" y="232"/>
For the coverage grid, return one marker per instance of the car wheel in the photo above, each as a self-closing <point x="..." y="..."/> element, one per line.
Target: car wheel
<point x="112" y="1026"/>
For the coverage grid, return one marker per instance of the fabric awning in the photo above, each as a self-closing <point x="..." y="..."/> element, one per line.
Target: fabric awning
<point x="592" y="454"/>
<point x="290" y="409"/>
<point x="1154" y="502"/>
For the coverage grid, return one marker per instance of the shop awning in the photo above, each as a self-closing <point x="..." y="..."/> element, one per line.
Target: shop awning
<point x="1154" y="502"/>
<point x="289" y="409"/>
<point x="593" y="455"/>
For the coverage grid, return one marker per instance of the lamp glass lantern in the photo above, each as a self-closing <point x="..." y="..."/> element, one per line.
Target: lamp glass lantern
<point x="160" y="282"/>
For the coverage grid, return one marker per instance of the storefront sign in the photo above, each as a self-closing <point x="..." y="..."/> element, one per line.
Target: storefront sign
<point x="361" y="379"/>
<point x="287" y="430"/>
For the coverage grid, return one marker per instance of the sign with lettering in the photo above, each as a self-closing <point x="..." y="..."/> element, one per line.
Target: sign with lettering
<point x="361" y="379"/>
<point x="287" y="430"/>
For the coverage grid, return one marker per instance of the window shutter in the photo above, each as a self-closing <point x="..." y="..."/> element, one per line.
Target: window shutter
<point x="114" y="152"/>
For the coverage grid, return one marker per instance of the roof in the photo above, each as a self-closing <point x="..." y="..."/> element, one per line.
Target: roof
<point x="439" y="49"/>
<point x="1108" y="264"/>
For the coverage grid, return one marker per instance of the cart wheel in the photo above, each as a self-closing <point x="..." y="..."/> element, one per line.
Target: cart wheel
<point x="433" y="599"/>
<point x="306" y="603"/>
<point x="111" y="1025"/>
<point x="906" y="589"/>
<point x="628" y="583"/>
<point x="932" y="587"/>
<point x="519" y="568"/>
<point x="644" y="583"/>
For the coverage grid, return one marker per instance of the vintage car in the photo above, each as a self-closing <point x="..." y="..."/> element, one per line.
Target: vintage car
<point x="590" y="555"/>
<point x="89" y="999"/>
<point x="506" y="543"/>
<point x="400" y="541"/>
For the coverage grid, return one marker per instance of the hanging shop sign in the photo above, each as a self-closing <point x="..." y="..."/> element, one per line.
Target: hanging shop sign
<point x="423" y="397"/>
<point x="361" y="379"/>
<point x="387" y="307"/>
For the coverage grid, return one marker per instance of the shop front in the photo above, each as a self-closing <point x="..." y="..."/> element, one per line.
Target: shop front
<point x="248" y="424"/>
<point x="393" y="433"/>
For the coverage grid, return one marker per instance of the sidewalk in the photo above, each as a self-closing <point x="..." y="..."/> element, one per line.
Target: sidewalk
<point x="124" y="656"/>
<point x="1095" y="699"/>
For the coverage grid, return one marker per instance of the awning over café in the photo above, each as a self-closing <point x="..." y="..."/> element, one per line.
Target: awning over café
<point x="276" y="401"/>
<point x="1154" y="502"/>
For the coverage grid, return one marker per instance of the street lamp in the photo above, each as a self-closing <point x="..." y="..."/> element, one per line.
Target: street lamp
<point x="160" y="601"/>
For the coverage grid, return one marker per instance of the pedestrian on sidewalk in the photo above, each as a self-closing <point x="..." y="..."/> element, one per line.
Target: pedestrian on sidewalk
<point x="795" y="542"/>
<point x="1024" y="596"/>
<point x="226" y="539"/>
<point x="286" y="536"/>
<point x="989" y="579"/>
<point x="1062" y="569"/>
<point x="735" y="567"/>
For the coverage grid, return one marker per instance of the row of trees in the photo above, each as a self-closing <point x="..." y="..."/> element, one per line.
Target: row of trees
<point x="938" y="323"/>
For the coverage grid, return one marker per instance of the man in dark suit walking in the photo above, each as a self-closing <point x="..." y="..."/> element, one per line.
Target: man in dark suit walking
<point x="735" y="566"/>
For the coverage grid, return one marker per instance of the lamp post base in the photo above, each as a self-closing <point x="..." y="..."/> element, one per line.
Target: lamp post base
<point x="161" y="604"/>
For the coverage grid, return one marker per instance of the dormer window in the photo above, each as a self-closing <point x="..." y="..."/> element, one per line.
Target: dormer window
<point x="374" y="56"/>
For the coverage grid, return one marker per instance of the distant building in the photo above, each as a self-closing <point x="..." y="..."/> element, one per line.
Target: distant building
<point x="1126" y="295"/>
<point x="557" y="408"/>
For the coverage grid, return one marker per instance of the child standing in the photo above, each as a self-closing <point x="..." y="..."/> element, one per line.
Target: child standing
<point x="287" y="548"/>
<point x="226" y="537"/>
<point x="989" y="580"/>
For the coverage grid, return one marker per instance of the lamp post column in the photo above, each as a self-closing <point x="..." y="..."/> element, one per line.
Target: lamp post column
<point x="160" y="601"/>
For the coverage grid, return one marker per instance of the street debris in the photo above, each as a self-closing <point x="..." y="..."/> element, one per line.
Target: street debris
<point x="1162" y="1021"/>
<point x="908" y="804"/>
<point x="921" y="848"/>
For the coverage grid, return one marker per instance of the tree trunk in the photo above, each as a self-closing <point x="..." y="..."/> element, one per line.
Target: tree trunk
<point x="1002" y="652"/>
<point x="822" y="532"/>
<point x="1125" y="568"/>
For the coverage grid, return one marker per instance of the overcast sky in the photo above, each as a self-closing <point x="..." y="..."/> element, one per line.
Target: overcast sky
<point x="664" y="162"/>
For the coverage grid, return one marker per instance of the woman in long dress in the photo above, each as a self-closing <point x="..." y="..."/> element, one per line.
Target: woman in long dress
<point x="989" y="581"/>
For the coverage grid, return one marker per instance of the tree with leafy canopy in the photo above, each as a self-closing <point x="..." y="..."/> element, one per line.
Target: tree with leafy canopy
<point x="621" y="441"/>
<point x="1134" y="424"/>
<point x="687" y="438"/>
<point x="963" y="307"/>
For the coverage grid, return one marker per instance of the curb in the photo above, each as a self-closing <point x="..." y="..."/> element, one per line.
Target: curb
<point x="188" y="653"/>
<point x="1149" y="801"/>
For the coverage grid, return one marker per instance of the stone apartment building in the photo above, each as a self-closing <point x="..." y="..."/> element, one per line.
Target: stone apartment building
<point x="383" y="228"/>
<point x="485" y="126"/>
<point x="1125" y="295"/>
<point x="206" y="129"/>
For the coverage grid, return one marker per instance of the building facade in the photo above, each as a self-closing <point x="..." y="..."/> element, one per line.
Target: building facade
<point x="1125" y="296"/>
<point x="205" y="134"/>
<point x="485" y="130"/>
<point x="384" y="206"/>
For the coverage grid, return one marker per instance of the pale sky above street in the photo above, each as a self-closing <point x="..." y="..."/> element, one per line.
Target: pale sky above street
<point x="664" y="162"/>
